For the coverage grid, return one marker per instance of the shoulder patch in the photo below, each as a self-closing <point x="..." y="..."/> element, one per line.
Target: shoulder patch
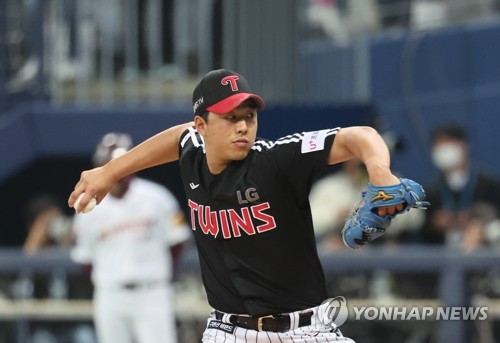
<point x="313" y="141"/>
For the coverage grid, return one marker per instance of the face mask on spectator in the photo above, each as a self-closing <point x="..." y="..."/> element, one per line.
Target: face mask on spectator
<point x="447" y="156"/>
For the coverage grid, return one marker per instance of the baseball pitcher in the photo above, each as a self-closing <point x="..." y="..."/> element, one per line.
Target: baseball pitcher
<point x="250" y="213"/>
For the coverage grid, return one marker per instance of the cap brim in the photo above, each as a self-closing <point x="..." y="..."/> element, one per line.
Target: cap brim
<point x="230" y="103"/>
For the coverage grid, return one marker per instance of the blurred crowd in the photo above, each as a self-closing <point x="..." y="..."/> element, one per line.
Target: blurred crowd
<point x="125" y="39"/>
<point x="344" y="20"/>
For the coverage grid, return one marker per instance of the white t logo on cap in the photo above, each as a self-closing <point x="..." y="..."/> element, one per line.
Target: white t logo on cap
<point x="232" y="81"/>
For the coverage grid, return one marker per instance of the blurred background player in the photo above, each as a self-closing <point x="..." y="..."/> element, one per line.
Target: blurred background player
<point x="127" y="241"/>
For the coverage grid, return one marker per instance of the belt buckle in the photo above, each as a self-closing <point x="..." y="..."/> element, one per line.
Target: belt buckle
<point x="259" y="321"/>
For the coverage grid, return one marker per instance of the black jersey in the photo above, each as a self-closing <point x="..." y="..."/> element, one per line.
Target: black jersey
<point x="253" y="226"/>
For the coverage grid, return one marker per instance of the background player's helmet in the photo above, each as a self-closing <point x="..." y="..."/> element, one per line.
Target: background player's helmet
<point x="110" y="146"/>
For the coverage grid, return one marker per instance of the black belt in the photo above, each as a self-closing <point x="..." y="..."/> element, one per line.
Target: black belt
<point x="272" y="323"/>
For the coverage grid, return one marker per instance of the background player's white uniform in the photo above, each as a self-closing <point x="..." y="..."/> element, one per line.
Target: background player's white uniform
<point x="126" y="240"/>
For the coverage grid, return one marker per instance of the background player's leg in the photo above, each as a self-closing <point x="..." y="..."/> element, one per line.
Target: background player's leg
<point x="110" y="317"/>
<point x="154" y="320"/>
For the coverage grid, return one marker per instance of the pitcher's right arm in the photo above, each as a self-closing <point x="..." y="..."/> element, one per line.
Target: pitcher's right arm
<point x="159" y="149"/>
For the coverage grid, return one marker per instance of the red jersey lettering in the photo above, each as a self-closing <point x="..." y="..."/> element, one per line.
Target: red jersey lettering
<point x="244" y="223"/>
<point x="258" y="213"/>
<point x="224" y="224"/>
<point x="209" y="224"/>
<point x="231" y="222"/>
<point x="194" y="207"/>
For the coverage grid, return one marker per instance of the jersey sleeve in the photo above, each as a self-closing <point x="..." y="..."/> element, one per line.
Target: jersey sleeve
<point x="299" y="157"/>
<point x="83" y="251"/>
<point x="190" y="139"/>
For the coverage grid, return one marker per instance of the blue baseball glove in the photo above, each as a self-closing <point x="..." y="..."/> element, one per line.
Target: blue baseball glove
<point x="364" y="225"/>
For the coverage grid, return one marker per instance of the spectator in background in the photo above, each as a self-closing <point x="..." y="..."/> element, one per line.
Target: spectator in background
<point x="460" y="185"/>
<point x="48" y="225"/>
<point x="34" y="19"/>
<point x="326" y="15"/>
<point x="340" y="21"/>
<point x="126" y="240"/>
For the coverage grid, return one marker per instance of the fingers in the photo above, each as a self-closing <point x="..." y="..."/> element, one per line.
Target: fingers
<point x="90" y="203"/>
<point x="79" y="189"/>
<point x="81" y="195"/>
<point x="73" y="196"/>
<point x="382" y="211"/>
<point x="390" y="210"/>
<point x="80" y="199"/>
<point x="386" y="210"/>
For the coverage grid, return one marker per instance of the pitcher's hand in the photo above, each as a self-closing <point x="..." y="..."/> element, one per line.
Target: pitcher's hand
<point x="94" y="183"/>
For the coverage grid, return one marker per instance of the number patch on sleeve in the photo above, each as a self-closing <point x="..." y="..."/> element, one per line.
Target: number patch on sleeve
<point x="313" y="141"/>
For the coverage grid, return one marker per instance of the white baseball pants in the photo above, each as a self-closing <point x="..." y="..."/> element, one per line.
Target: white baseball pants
<point x="223" y="331"/>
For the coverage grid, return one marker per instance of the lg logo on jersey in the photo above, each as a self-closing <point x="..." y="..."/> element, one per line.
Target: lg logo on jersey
<point x="251" y="195"/>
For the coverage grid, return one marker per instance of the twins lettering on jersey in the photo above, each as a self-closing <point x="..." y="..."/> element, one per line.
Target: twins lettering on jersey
<point x="250" y="220"/>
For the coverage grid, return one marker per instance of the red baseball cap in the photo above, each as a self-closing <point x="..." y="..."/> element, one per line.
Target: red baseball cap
<point x="221" y="91"/>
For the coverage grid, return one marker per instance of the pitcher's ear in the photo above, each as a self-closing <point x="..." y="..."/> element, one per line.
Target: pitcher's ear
<point x="200" y="124"/>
